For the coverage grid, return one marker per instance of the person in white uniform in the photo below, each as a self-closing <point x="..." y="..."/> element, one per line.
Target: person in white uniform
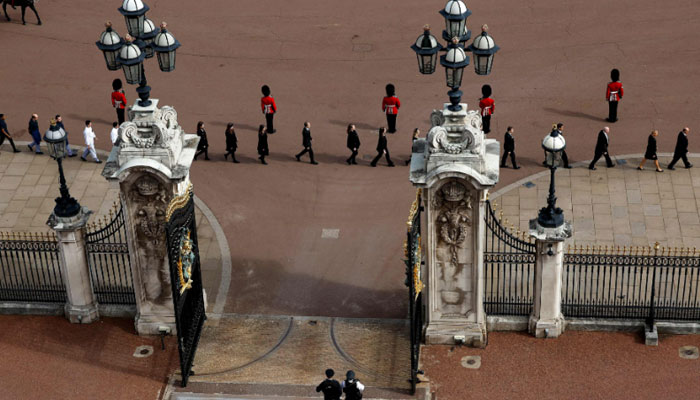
<point x="89" y="135"/>
<point x="114" y="134"/>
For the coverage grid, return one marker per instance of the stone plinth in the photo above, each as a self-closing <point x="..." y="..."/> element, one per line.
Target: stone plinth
<point x="81" y="306"/>
<point x="151" y="164"/>
<point x="546" y="320"/>
<point x="455" y="165"/>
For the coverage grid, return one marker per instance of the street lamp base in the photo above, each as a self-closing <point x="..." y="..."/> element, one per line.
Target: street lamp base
<point x="455" y="98"/>
<point x="66" y="207"/>
<point x="144" y="92"/>
<point x="550" y="217"/>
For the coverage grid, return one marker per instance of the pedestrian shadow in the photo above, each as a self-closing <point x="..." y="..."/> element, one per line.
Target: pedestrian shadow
<point x="574" y="114"/>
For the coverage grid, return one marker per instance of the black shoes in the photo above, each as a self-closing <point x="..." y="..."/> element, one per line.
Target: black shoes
<point x="314" y="163"/>
<point x="611" y="165"/>
<point x="516" y="167"/>
<point x="236" y="161"/>
<point x="689" y="166"/>
<point x="298" y="157"/>
<point x="83" y="158"/>
<point x="592" y="168"/>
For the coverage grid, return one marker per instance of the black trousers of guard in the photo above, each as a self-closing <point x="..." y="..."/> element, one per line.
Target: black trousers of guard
<point x="391" y="122"/>
<point x="612" y="111"/>
<point x="486" y="121"/>
<point x="270" y="126"/>
<point x="120" y="115"/>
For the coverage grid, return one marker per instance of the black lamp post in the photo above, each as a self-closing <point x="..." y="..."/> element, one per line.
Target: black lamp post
<point x="142" y="42"/>
<point x="66" y="206"/>
<point x="455" y="60"/>
<point x="552" y="216"/>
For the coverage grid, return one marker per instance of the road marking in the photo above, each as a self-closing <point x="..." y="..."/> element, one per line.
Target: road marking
<point x="330" y="233"/>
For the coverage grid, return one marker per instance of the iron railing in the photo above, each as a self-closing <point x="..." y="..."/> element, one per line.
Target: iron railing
<point x="30" y="268"/>
<point x="412" y="249"/>
<point x="509" y="265"/>
<point x="108" y="258"/>
<point x="641" y="283"/>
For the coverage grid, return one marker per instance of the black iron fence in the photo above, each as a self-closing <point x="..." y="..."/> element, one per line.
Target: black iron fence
<point x="30" y="268"/>
<point x="414" y="281"/>
<point x="642" y="283"/>
<point x="509" y="265"/>
<point x="108" y="258"/>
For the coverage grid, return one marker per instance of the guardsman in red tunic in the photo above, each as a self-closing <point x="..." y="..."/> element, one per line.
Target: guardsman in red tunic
<point x="613" y="94"/>
<point x="390" y="106"/>
<point x="118" y="99"/>
<point x="487" y="106"/>
<point x="269" y="108"/>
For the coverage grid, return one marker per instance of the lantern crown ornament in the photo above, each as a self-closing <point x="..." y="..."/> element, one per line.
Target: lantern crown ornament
<point x="426" y="48"/>
<point x="483" y="49"/>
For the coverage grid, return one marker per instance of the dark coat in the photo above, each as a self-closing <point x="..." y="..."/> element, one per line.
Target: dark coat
<point x="306" y="137"/>
<point x="650" y="154"/>
<point x="681" y="144"/>
<point x="231" y="140"/>
<point x="381" y="144"/>
<point x="203" y="142"/>
<point x="263" y="150"/>
<point x="353" y="140"/>
<point x="601" y="145"/>
<point x="509" y="143"/>
<point x="331" y="389"/>
<point x="33" y="125"/>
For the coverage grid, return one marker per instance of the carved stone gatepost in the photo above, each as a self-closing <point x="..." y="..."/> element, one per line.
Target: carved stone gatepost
<point x="455" y="166"/>
<point x="152" y="165"/>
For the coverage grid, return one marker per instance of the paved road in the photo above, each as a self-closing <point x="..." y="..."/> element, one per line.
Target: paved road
<point x="328" y="62"/>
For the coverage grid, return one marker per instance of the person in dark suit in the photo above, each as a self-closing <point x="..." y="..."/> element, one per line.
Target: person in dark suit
<point x="382" y="149"/>
<point x="5" y="134"/>
<point x="650" y="154"/>
<point x="353" y="143"/>
<point x="330" y="387"/>
<point x="509" y="148"/>
<point x="231" y="143"/>
<point x="416" y="134"/>
<point x="263" y="150"/>
<point x="681" y="151"/>
<point x="601" y="149"/>
<point x="306" y="142"/>
<point x="203" y="145"/>
<point x="59" y="124"/>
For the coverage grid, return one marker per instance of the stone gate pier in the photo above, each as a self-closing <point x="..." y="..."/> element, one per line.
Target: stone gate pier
<point x="455" y="165"/>
<point x="151" y="163"/>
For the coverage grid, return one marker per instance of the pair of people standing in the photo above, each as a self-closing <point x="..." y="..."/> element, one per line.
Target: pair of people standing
<point x="332" y="389"/>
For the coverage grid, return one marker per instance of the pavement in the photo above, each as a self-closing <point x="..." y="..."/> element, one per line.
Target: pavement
<point x="618" y="206"/>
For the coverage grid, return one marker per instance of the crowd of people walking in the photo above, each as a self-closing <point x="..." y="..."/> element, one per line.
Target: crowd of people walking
<point x="390" y="107"/>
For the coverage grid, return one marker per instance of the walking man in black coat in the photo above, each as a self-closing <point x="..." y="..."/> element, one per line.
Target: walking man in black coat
<point x="681" y="151"/>
<point x="306" y="142"/>
<point x="509" y="148"/>
<point x="5" y="134"/>
<point x="330" y="387"/>
<point x="601" y="149"/>
<point x="382" y="149"/>
<point x="353" y="143"/>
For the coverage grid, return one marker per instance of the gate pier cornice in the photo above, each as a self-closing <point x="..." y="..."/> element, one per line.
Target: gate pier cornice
<point x="456" y="166"/>
<point x="151" y="164"/>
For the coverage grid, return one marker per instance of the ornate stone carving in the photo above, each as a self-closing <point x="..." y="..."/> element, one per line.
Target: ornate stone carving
<point x="149" y="199"/>
<point x="436" y="118"/>
<point x="453" y="206"/>
<point x="455" y="133"/>
<point x="156" y="130"/>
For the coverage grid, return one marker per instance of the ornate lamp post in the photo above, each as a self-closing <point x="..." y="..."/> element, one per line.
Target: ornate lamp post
<point x="66" y="206"/>
<point x="454" y="61"/>
<point x="552" y="216"/>
<point x="142" y="42"/>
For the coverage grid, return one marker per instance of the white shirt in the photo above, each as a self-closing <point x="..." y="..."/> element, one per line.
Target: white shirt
<point x="114" y="135"/>
<point x="89" y="136"/>
<point x="360" y="386"/>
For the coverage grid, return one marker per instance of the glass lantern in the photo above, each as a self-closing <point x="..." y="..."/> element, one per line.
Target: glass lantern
<point x="455" y="14"/>
<point x="134" y="12"/>
<point x="109" y="44"/>
<point x="454" y="62"/>
<point x="426" y="48"/>
<point x="55" y="137"/>
<point x="149" y="34"/>
<point x="483" y="49"/>
<point x="131" y="59"/>
<point x="165" y="45"/>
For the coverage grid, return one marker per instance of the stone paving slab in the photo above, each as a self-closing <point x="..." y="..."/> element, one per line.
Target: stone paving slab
<point x="257" y="349"/>
<point x="618" y="206"/>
